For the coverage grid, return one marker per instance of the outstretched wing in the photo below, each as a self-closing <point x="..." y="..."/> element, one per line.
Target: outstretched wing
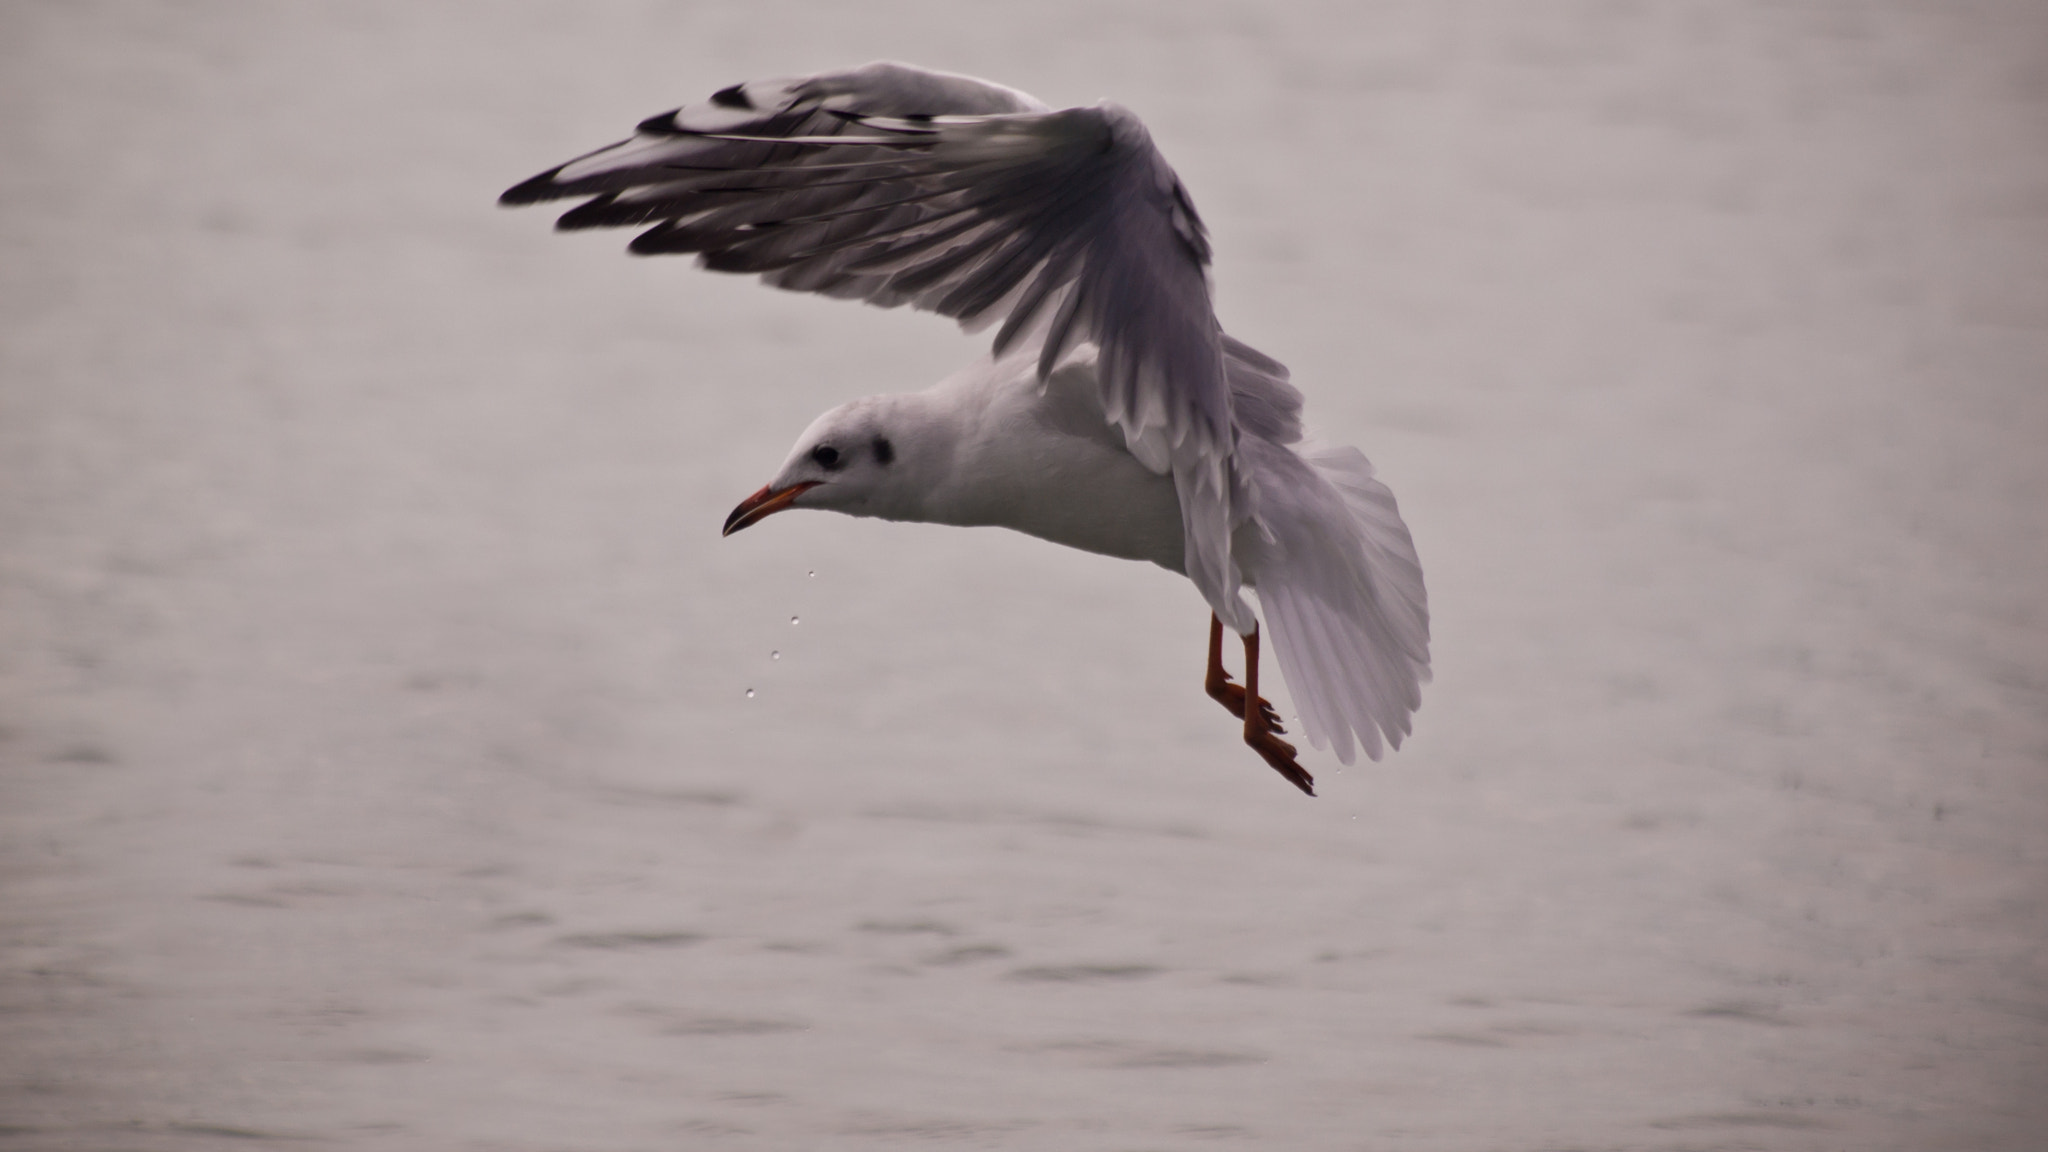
<point x="896" y="185"/>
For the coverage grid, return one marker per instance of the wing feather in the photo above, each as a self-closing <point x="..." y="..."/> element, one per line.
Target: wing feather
<point x="898" y="185"/>
<point x="1342" y="591"/>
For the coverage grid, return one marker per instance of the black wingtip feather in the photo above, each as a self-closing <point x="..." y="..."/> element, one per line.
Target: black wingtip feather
<point x="662" y="125"/>
<point x="651" y="242"/>
<point x="608" y="211"/>
<point x="666" y="239"/>
<point x="541" y="187"/>
<point x="598" y="213"/>
<point x="733" y="97"/>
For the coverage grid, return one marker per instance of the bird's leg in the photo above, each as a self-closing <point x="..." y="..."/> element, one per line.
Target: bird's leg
<point x="1218" y="683"/>
<point x="1261" y="726"/>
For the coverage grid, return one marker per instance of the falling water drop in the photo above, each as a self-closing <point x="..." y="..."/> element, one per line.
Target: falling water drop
<point x="792" y="619"/>
<point x="813" y="573"/>
<point x="775" y="655"/>
<point x="750" y="696"/>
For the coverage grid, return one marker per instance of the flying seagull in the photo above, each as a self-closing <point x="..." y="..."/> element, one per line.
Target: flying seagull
<point x="1111" y="414"/>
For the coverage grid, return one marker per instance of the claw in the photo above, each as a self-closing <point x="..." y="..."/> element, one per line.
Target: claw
<point x="1280" y="754"/>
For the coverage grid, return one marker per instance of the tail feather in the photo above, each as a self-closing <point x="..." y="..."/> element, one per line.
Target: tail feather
<point x="1337" y="576"/>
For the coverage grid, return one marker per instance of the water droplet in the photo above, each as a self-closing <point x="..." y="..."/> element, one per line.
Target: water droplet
<point x="775" y="655"/>
<point x="813" y="573"/>
<point x="792" y="620"/>
<point x="750" y="696"/>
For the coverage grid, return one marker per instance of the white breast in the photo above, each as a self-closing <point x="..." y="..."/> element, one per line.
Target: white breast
<point x="1042" y="460"/>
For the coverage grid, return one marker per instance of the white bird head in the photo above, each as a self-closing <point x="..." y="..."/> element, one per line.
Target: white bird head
<point x="868" y="457"/>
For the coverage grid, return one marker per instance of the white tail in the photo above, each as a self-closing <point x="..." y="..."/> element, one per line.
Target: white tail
<point x="1337" y="576"/>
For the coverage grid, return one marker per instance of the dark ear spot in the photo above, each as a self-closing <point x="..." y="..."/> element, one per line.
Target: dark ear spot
<point x="885" y="452"/>
<point x="826" y="456"/>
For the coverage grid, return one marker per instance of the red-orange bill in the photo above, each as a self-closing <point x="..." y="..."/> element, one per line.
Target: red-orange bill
<point x="763" y="504"/>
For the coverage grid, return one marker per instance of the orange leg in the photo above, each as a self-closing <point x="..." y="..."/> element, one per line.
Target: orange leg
<point x="1262" y="723"/>
<point x="1218" y="683"/>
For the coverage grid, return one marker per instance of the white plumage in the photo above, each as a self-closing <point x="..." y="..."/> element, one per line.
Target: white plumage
<point x="1113" y="414"/>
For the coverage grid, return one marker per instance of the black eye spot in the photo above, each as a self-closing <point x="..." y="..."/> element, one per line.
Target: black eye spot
<point x="827" y="456"/>
<point x="885" y="452"/>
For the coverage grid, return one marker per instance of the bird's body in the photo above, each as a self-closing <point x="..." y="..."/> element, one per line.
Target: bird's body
<point x="992" y="446"/>
<point x="1113" y="416"/>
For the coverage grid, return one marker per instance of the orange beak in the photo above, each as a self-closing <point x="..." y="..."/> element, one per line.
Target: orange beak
<point x="764" y="504"/>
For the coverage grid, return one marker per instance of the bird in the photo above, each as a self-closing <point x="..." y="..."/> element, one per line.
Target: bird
<point x="1111" y="412"/>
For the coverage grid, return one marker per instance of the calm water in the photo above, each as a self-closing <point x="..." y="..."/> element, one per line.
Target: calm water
<point x="396" y="758"/>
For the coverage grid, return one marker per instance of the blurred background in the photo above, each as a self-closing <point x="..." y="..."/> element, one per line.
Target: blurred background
<point x="395" y="757"/>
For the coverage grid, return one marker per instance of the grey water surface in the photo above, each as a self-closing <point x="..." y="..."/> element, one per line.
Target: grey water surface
<point x="392" y="756"/>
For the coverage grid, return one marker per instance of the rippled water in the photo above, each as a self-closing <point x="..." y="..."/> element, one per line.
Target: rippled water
<point x="380" y="767"/>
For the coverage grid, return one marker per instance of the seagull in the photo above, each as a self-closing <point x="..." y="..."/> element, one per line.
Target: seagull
<point x="1111" y="413"/>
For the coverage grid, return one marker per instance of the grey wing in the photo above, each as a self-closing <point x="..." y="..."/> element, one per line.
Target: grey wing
<point x="897" y="186"/>
<point x="1262" y="401"/>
